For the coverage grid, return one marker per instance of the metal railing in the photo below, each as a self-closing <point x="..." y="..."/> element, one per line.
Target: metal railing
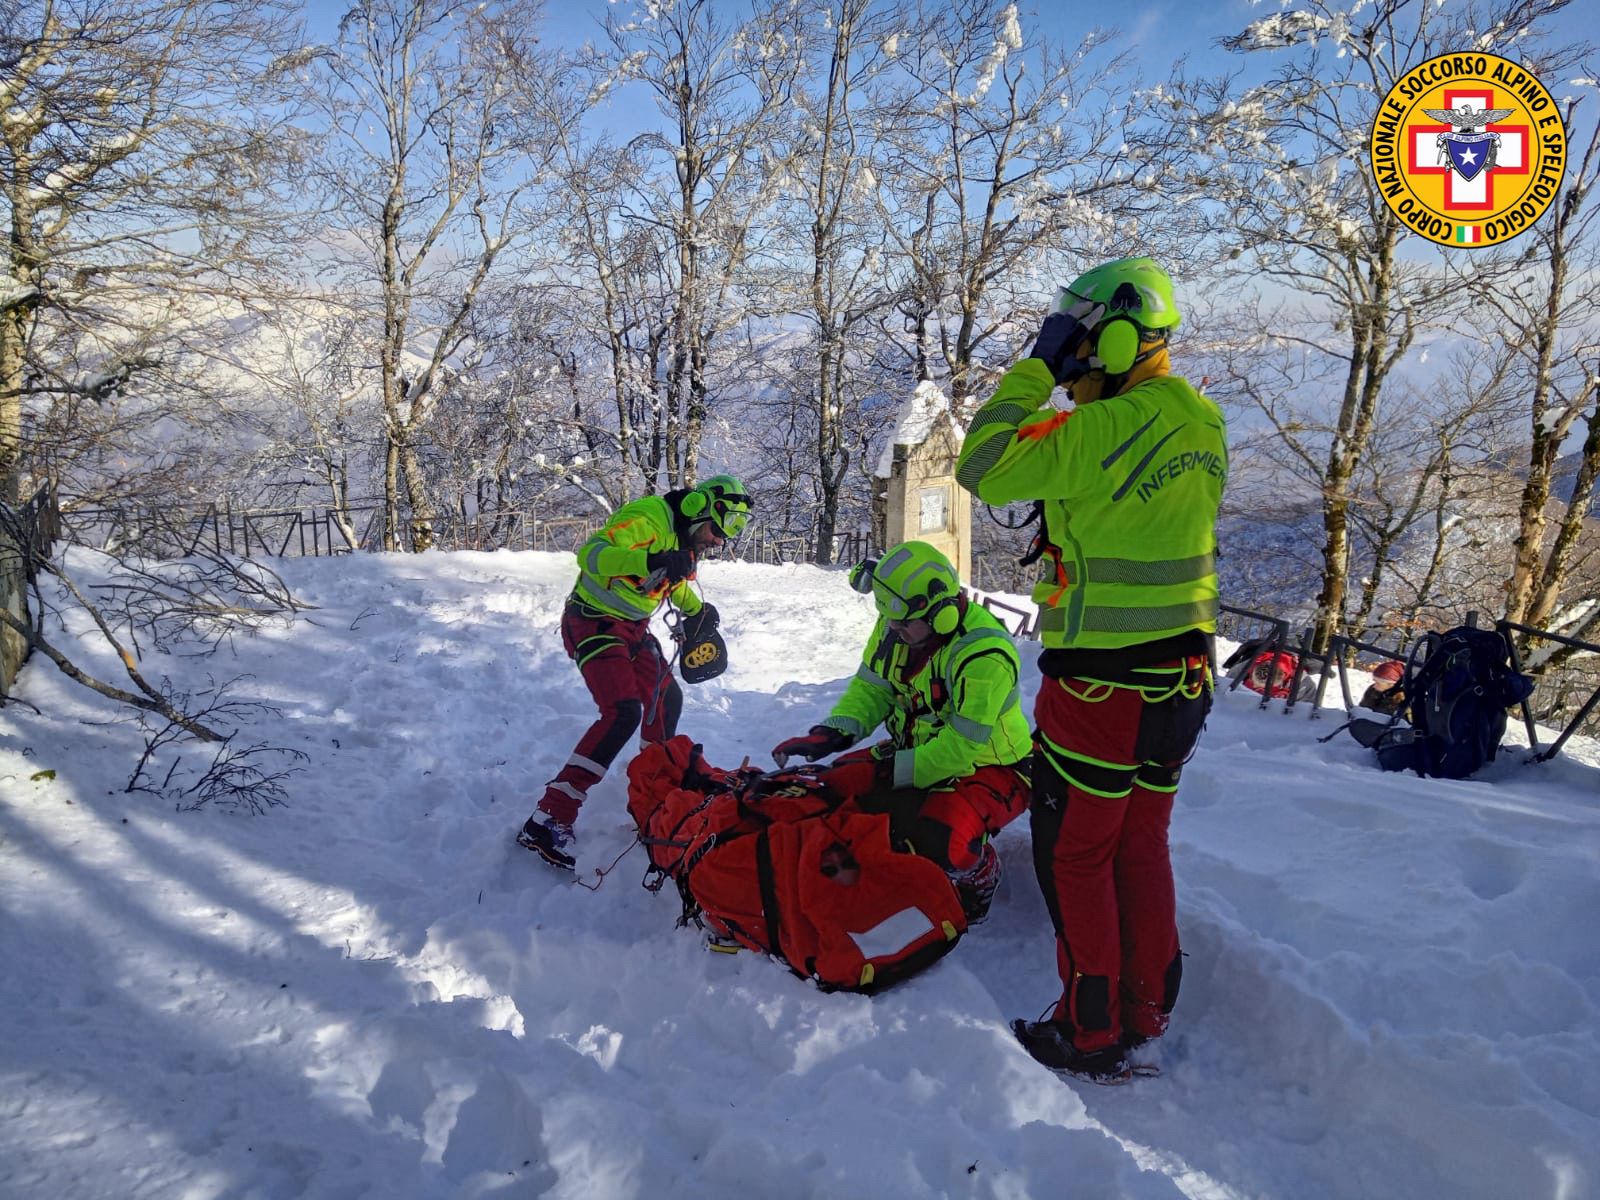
<point x="761" y="544"/>
<point x="1257" y="633"/>
<point x="1341" y="648"/>
<point x="1023" y="623"/>
<point x="179" y="531"/>
<point x="1585" y="710"/>
<point x="1001" y="573"/>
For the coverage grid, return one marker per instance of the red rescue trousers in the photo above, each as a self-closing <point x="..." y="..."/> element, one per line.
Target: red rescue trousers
<point x="950" y="823"/>
<point x="1104" y="776"/>
<point x="632" y="684"/>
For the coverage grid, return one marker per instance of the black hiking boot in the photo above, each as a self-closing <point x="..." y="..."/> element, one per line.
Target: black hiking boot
<point x="550" y="840"/>
<point x="976" y="887"/>
<point x="1050" y="1042"/>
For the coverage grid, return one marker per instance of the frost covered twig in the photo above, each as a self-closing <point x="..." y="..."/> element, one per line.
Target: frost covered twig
<point x="148" y="699"/>
<point x="207" y="596"/>
<point x="169" y="599"/>
<point x="241" y="777"/>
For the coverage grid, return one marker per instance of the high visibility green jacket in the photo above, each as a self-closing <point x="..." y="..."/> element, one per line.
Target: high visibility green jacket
<point x="947" y="713"/>
<point x="1130" y="484"/>
<point x="612" y="567"/>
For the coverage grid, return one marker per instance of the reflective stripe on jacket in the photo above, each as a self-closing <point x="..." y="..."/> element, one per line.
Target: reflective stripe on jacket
<point x="612" y="565"/>
<point x="950" y="713"/>
<point x="1130" y="484"/>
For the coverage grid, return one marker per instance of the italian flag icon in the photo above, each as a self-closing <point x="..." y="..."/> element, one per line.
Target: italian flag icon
<point x="1468" y="235"/>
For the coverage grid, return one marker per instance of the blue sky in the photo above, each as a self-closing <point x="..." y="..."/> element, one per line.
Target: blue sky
<point x="1158" y="31"/>
<point x="1164" y="29"/>
<point x="1161" y="30"/>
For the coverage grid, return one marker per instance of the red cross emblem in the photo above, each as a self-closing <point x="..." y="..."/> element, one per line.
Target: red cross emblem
<point x="1422" y="157"/>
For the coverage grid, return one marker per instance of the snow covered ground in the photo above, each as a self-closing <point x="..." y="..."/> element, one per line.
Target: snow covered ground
<point x="1392" y="989"/>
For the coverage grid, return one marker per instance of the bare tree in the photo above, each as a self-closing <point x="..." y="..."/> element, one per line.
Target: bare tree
<point x="1307" y="222"/>
<point x="611" y="268"/>
<point x="1006" y="152"/>
<point x="1552" y="307"/>
<point x="722" y="88"/>
<point x="145" y="150"/>
<point x="517" y="424"/>
<point x="1429" y="465"/>
<point x="427" y="164"/>
<point x="316" y="433"/>
<point x="844" y="237"/>
<point x="141" y="144"/>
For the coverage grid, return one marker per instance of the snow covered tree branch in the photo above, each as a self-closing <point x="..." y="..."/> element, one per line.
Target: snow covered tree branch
<point x="141" y="146"/>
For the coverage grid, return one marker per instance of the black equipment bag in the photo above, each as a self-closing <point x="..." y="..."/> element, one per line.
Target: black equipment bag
<point x="703" y="654"/>
<point x="1458" y="685"/>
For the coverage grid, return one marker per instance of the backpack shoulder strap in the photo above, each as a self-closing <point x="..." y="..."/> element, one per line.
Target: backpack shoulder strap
<point x="1416" y="675"/>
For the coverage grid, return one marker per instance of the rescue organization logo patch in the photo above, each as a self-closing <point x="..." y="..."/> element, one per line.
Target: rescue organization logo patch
<point x="1468" y="149"/>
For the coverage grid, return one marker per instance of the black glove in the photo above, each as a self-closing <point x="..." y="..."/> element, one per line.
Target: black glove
<point x="822" y="741"/>
<point x="671" y="566"/>
<point x="1059" y="339"/>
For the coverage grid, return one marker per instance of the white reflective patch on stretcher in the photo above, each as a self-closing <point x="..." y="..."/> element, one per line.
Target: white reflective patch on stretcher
<point x="893" y="934"/>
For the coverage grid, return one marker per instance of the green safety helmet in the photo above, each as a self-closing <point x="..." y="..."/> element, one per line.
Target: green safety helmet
<point x="721" y="500"/>
<point x="1136" y="296"/>
<point x="912" y="581"/>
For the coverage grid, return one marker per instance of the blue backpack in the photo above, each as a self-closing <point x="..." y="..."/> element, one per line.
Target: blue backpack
<point x="1458" y="685"/>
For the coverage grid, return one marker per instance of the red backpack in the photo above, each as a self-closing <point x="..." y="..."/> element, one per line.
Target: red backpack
<point x="774" y="864"/>
<point x="1272" y="674"/>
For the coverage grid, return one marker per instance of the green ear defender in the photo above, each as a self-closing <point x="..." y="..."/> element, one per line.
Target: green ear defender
<point x="1117" y="345"/>
<point x="693" y="503"/>
<point x="944" y="618"/>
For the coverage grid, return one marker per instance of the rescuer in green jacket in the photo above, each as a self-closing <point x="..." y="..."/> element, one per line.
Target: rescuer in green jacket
<point x="644" y="556"/>
<point x="940" y="675"/>
<point x="1130" y="480"/>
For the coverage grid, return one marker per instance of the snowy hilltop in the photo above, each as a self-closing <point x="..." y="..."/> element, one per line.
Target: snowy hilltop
<point x="1392" y="985"/>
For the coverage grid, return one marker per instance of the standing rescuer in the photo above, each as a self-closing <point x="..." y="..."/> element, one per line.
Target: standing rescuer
<point x="641" y="558"/>
<point x="1129" y="481"/>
